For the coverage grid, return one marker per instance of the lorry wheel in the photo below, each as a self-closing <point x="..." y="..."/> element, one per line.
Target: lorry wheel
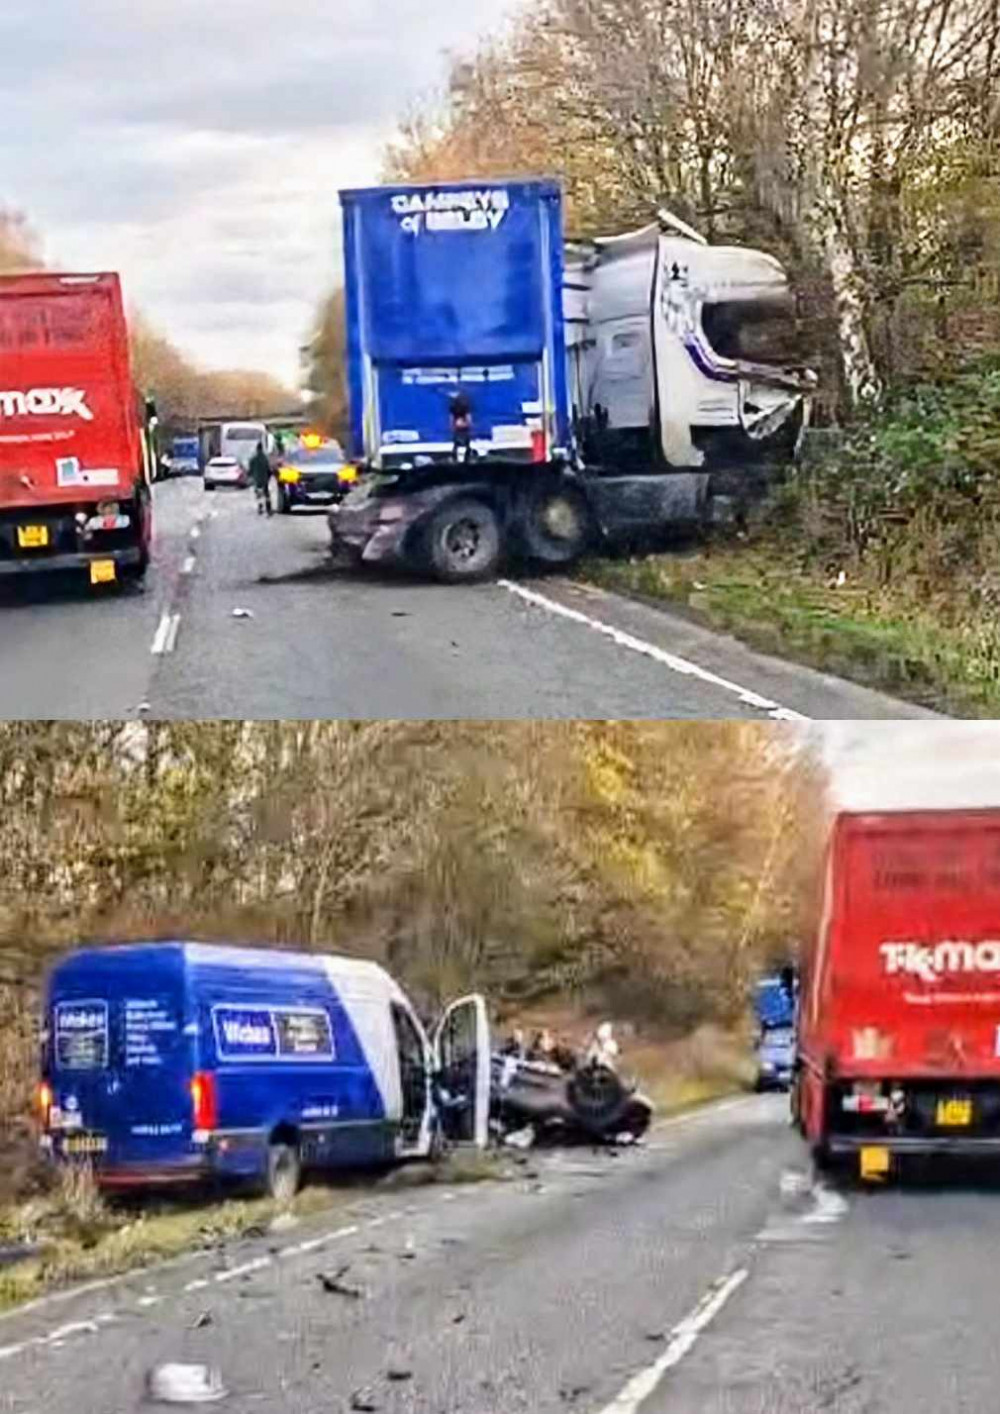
<point x="557" y="526"/>
<point x="462" y="542"/>
<point x="283" y="1176"/>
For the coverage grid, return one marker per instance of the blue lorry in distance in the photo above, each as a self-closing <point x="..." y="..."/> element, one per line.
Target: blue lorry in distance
<point x="512" y="392"/>
<point x="180" y="1061"/>
<point x="774" y="1008"/>
<point x="185" y="459"/>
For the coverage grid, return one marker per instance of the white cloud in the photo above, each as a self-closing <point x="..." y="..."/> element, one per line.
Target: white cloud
<point x="198" y="149"/>
<point x="913" y="765"/>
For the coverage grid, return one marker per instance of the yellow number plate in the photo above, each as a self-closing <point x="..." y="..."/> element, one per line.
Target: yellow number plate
<point x="86" y="1144"/>
<point x="875" y="1161"/>
<point x="32" y="537"/>
<point x="954" y="1112"/>
<point x="102" y="571"/>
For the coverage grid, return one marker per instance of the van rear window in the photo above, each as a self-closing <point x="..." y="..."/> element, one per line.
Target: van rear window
<point x="245" y="1033"/>
<point x="80" y="1032"/>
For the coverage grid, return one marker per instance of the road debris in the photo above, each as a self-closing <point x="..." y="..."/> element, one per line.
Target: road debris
<point x="409" y="1250"/>
<point x="204" y="1318"/>
<point x="185" y="1384"/>
<point x="364" y="1401"/>
<point x="242" y="613"/>
<point x="398" y="1374"/>
<point x="334" y="1283"/>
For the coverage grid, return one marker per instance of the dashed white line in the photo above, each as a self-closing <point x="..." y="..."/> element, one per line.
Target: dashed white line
<point x="682" y="1338"/>
<point x="232" y="1273"/>
<point x="195" y="532"/>
<point x="676" y="664"/>
<point x="188" y="565"/>
<point x="315" y="1242"/>
<point x="165" y="637"/>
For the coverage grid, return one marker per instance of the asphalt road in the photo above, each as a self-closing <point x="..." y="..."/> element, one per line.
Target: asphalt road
<point x="314" y="641"/>
<point x="698" y="1275"/>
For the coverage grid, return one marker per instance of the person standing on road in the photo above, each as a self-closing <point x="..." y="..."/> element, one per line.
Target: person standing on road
<point x="260" y="475"/>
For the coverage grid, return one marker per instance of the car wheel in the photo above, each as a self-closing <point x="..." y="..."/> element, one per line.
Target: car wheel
<point x="209" y="486"/>
<point x="597" y="1098"/>
<point x="462" y="542"/>
<point x="557" y="525"/>
<point x="283" y="1176"/>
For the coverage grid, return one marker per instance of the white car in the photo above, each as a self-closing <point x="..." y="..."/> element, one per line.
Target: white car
<point x="224" y="471"/>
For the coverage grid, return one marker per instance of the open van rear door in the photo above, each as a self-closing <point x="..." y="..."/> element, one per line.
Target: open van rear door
<point x="462" y="1071"/>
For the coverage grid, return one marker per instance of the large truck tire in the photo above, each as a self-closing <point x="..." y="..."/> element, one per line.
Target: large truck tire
<point x="462" y="542"/>
<point x="556" y="526"/>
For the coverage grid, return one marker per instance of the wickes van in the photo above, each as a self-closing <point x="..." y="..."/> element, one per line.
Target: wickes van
<point x="179" y="1061"/>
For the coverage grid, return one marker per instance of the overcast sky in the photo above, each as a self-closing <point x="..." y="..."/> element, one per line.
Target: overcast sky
<point x="197" y="145"/>
<point x="894" y="765"/>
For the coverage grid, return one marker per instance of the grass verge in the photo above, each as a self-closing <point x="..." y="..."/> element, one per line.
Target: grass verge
<point x="896" y="645"/>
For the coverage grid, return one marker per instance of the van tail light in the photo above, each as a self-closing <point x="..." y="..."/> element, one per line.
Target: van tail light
<point x="204" y="1100"/>
<point x="43" y="1103"/>
<point x="538" y="450"/>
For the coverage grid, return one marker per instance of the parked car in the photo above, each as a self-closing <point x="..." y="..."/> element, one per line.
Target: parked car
<point x="172" y="1062"/>
<point x="225" y="471"/>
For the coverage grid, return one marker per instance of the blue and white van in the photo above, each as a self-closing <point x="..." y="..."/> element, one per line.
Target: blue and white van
<point x="179" y="1061"/>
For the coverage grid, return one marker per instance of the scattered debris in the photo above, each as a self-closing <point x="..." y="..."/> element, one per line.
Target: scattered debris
<point x="520" y="1138"/>
<point x="204" y="1318"/>
<point x="458" y="1318"/>
<point x="242" y="613"/>
<point x="284" y="1222"/>
<point x="655" y="1335"/>
<point x="409" y="1251"/>
<point x="364" y="1400"/>
<point x="794" y="1183"/>
<point x="185" y="1384"/>
<point x="570" y="1393"/>
<point x="397" y="1374"/>
<point x="143" y="707"/>
<point x="400" y="614"/>
<point x="336" y="1285"/>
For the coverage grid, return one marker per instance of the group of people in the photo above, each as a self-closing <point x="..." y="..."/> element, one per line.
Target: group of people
<point x="602" y="1049"/>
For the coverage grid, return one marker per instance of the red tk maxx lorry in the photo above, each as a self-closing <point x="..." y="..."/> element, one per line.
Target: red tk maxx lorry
<point x="76" y="460"/>
<point x="898" y="1047"/>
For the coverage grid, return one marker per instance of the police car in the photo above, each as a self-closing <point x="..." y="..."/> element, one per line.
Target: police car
<point x="171" y="1062"/>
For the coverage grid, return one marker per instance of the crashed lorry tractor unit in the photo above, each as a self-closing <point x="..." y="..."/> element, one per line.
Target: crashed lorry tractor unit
<point x="899" y="1004"/>
<point x="510" y="389"/>
<point x="76" y="455"/>
<point x="174" y="1062"/>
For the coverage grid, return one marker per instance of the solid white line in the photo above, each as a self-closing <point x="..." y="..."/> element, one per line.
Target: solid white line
<point x="160" y="636"/>
<point x="682" y="1338"/>
<point x="650" y="650"/>
<point x="188" y="565"/>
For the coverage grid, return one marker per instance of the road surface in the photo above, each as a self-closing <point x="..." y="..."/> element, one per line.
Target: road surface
<point x="700" y="1275"/>
<point x="312" y="641"/>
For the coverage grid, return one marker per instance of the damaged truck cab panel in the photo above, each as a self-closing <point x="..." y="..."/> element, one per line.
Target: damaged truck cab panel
<point x="899" y="1014"/>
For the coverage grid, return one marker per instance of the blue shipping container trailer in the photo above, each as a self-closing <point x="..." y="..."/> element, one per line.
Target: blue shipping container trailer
<point x="511" y="390"/>
<point x="179" y="1061"/>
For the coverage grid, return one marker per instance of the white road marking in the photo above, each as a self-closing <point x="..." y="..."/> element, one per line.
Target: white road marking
<point x="149" y="1300"/>
<point x="828" y="1208"/>
<point x="165" y="637"/>
<point x="682" y="1339"/>
<point x="676" y="664"/>
<point x="233" y="1272"/>
<point x="314" y="1242"/>
<point x="188" y="565"/>
<point x="57" y="1336"/>
<point x="160" y="636"/>
<point x="195" y="532"/>
<point x="197" y="1284"/>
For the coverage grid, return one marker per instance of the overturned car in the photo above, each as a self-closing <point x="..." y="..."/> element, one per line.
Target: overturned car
<point x="557" y="1097"/>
